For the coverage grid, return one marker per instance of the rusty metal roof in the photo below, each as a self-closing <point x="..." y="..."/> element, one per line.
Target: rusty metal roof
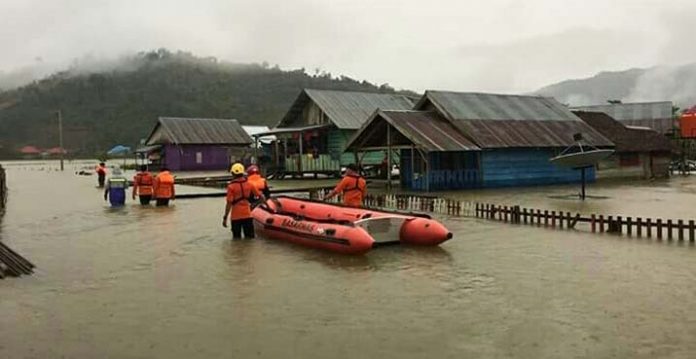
<point x="500" y="121"/>
<point x="655" y="115"/>
<point x="632" y="111"/>
<point x="346" y="109"/>
<point x="626" y="139"/>
<point x="426" y="130"/>
<point x="187" y="131"/>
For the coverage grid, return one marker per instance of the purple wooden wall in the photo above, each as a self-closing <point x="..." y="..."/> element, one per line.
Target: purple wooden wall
<point x="183" y="158"/>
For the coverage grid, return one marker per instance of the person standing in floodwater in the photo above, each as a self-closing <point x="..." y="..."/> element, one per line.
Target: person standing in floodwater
<point x="115" y="190"/>
<point x="353" y="187"/>
<point x="164" y="188"/>
<point x="143" y="186"/>
<point x="237" y="205"/>
<point x="101" y="174"/>
<point x="256" y="179"/>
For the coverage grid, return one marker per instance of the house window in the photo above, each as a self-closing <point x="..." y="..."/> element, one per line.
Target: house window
<point x="199" y="157"/>
<point x="629" y="159"/>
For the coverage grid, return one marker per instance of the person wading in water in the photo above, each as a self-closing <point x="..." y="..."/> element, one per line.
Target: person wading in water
<point x="238" y="207"/>
<point x="352" y="186"/>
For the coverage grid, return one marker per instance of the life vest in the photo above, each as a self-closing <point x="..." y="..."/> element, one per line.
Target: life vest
<point x="144" y="182"/>
<point x="356" y="187"/>
<point x="100" y="170"/>
<point x="258" y="182"/>
<point x="164" y="185"/>
<point x="238" y="193"/>
<point x="244" y="196"/>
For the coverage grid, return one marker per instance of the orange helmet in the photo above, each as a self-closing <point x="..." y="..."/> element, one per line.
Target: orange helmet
<point x="253" y="169"/>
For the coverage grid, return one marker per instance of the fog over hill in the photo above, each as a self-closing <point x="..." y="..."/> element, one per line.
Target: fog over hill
<point x="118" y="101"/>
<point x="660" y="83"/>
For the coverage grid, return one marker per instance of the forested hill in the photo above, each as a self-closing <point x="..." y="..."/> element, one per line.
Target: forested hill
<point x="120" y="105"/>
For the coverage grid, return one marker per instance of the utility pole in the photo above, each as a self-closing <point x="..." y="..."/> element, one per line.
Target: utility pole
<point x="60" y="139"/>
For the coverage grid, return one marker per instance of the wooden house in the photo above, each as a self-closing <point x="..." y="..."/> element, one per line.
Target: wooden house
<point x="655" y="115"/>
<point x="453" y="140"/>
<point x="639" y="152"/>
<point x="313" y="133"/>
<point x="193" y="144"/>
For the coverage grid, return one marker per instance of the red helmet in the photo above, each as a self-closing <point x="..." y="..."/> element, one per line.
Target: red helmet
<point x="253" y="169"/>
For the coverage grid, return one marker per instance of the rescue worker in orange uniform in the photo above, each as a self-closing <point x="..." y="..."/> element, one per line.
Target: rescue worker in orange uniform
<point x="352" y="186"/>
<point x="254" y="177"/>
<point x="101" y="174"/>
<point x="238" y="207"/>
<point x="143" y="186"/>
<point x="163" y="188"/>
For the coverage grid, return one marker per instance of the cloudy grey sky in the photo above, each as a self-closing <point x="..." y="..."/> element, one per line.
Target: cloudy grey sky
<point x="492" y="45"/>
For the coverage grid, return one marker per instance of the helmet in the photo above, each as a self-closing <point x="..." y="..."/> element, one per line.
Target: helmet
<point x="237" y="169"/>
<point x="253" y="169"/>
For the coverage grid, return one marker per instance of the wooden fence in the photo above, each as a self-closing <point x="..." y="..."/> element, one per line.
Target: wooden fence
<point x="658" y="228"/>
<point x="632" y="226"/>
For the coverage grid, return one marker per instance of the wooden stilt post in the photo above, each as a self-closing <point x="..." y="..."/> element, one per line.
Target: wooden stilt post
<point x="593" y="224"/>
<point x="639" y="227"/>
<point x="669" y="229"/>
<point x="601" y="223"/>
<point x="680" y="225"/>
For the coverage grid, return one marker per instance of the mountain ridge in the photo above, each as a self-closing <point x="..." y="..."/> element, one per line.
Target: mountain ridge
<point x="120" y="105"/>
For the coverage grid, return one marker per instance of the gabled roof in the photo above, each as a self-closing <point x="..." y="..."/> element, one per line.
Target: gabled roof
<point x="428" y="131"/>
<point x="626" y="138"/>
<point x="346" y="109"/>
<point x="632" y="111"/>
<point x="189" y="131"/>
<point x="500" y="121"/>
<point x="655" y="115"/>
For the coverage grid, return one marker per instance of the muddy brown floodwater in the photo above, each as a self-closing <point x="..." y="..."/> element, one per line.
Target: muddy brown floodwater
<point x="169" y="283"/>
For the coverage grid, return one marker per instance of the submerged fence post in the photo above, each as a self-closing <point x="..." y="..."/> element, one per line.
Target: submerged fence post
<point x="659" y="228"/>
<point x="593" y="224"/>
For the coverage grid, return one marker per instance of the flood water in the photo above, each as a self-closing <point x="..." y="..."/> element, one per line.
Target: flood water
<point x="170" y="283"/>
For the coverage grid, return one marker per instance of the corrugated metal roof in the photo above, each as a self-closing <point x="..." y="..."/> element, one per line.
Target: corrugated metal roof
<point x="198" y="131"/>
<point x="346" y="109"/>
<point x="283" y="130"/>
<point x="253" y="130"/>
<point x="499" y="121"/>
<point x="626" y="139"/>
<point x="632" y="111"/>
<point x="482" y="106"/>
<point x="427" y="130"/>
<point x="655" y="115"/>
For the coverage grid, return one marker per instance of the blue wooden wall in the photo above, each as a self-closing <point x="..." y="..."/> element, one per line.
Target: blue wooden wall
<point x="526" y="167"/>
<point x="499" y="168"/>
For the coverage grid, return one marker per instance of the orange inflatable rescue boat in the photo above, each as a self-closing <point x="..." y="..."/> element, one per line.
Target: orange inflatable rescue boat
<point x="343" y="229"/>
